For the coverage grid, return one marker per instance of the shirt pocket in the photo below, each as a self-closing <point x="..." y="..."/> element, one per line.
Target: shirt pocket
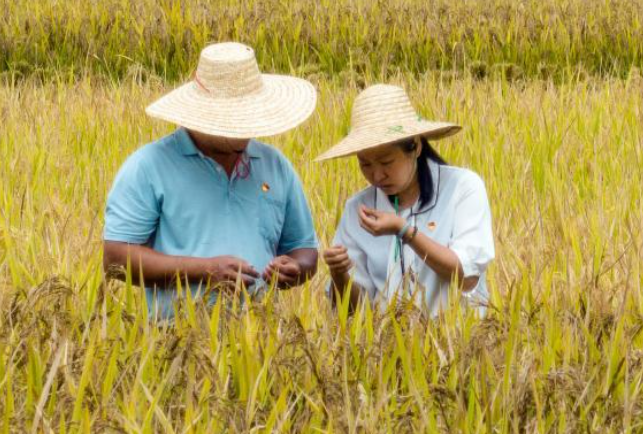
<point x="271" y="220"/>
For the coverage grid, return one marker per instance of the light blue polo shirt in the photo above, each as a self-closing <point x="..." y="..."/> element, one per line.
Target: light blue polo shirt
<point x="170" y="196"/>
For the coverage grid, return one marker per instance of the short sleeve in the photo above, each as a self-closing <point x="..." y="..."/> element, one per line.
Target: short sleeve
<point x="472" y="238"/>
<point x="343" y="237"/>
<point x="298" y="231"/>
<point x="133" y="210"/>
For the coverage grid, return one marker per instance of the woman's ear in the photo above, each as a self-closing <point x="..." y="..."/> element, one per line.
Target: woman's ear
<point x="418" y="146"/>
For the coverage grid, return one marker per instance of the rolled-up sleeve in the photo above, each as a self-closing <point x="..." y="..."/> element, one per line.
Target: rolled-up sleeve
<point x="472" y="239"/>
<point x="132" y="210"/>
<point x="359" y="272"/>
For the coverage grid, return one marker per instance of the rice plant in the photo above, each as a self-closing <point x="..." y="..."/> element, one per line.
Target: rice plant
<point x="511" y="38"/>
<point x="560" y="351"/>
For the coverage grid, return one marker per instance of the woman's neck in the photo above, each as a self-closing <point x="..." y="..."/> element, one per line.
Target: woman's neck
<point x="409" y="196"/>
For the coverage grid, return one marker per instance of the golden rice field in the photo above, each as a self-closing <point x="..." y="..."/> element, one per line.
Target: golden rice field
<point x="120" y="38"/>
<point x="561" y="350"/>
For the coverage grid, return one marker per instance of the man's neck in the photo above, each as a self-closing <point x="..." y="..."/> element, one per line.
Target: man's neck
<point x="227" y="160"/>
<point x="226" y="152"/>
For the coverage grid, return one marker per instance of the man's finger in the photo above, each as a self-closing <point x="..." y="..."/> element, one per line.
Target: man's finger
<point x="288" y="280"/>
<point x="281" y="260"/>
<point x="249" y="270"/>
<point x="269" y="272"/>
<point x="289" y="269"/>
<point x="248" y="280"/>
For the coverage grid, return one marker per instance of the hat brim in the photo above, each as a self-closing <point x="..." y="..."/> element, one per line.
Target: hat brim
<point x="283" y="103"/>
<point x="361" y="140"/>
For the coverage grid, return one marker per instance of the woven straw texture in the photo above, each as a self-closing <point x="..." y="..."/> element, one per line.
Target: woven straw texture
<point x="230" y="97"/>
<point x="382" y="114"/>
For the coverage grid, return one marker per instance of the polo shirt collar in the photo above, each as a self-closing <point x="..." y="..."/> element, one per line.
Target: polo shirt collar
<point x="188" y="148"/>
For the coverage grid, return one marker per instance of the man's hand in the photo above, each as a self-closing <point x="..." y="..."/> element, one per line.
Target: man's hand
<point x="226" y="269"/>
<point x="379" y="223"/>
<point x="337" y="259"/>
<point x="285" y="270"/>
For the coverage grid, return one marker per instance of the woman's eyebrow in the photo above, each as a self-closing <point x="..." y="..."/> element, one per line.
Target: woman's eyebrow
<point x="385" y="158"/>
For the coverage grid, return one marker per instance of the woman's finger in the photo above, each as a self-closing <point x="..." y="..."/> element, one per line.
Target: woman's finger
<point x="332" y="252"/>
<point x="365" y="225"/>
<point x="370" y="225"/>
<point x="363" y="218"/>
<point x="336" y="250"/>
<point x="337" y="259"/>
<point x="373" y="213"/>
<point x="345" y="265"/>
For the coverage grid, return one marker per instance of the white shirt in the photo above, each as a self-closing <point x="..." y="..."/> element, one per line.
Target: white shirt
<point x="457" y="217"/>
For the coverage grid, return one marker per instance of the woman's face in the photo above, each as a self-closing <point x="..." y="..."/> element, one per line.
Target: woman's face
<point x="388" y="167"/>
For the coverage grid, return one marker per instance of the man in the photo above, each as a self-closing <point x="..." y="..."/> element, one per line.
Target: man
<point x="208" y="203"/>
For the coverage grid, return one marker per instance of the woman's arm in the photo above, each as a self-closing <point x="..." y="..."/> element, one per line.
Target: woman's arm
<point x="340" y="283"/>
<point x="339" y="264"/>
<point x="440" y="258"/>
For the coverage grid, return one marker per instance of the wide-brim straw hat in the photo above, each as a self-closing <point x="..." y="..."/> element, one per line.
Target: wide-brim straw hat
<point x="230" y="97"/>
<point x="382" y="114"/>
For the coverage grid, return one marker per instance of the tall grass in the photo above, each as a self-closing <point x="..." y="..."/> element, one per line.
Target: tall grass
<point x="561" y="350"/>
<point x="118" y="38"/>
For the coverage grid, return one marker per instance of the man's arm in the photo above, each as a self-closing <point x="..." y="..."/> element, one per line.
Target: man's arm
<point x="307" y="260"/>
<point x="159" y="269"/>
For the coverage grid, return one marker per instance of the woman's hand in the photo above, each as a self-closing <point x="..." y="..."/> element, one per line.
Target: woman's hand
<point x="337" y="259"/>
<point x="379" y="223"/>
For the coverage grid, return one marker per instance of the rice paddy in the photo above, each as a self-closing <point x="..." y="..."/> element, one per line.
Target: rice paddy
<point x="561" y="154"/>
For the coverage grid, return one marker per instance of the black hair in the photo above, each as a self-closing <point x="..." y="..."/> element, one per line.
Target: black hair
<point x="423" y="172"/>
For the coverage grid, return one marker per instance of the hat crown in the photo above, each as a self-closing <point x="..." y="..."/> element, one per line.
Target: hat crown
<point x="228" y="70"/>
<point x="382" y="105"/>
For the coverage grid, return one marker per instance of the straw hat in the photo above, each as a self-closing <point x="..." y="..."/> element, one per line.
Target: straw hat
<point x="382" y="114"/>
<point x="230" y="97"/>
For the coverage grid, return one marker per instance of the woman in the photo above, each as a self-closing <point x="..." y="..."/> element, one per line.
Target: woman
<point x="421" y="224"/>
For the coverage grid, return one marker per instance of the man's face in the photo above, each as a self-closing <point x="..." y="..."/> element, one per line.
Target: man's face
<point x="218" y="144"/>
